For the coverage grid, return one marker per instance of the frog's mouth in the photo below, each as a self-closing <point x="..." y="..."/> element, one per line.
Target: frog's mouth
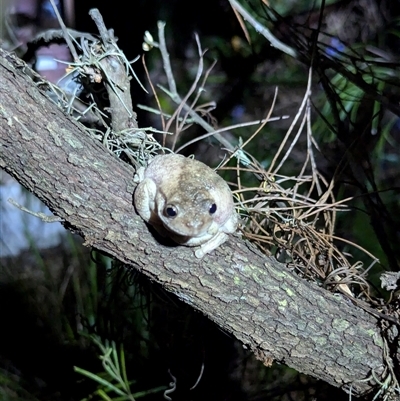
<point x="187" y="233"/>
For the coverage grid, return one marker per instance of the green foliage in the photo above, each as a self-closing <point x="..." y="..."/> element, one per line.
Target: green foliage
<point x="293" y="7"/>
<point x="348" y="97"/>
<point x="113" y="383"/>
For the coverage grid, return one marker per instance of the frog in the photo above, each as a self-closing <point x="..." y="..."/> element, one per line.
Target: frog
<point x="186" y="200"/>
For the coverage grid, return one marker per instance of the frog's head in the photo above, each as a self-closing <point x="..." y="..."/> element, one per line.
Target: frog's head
<point x="189" y="214"/>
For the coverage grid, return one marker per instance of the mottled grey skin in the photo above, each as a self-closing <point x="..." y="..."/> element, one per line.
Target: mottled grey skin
<point x="174" y="184"/>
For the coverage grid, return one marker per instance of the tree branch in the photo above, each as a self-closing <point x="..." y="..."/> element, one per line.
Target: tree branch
<point x="276" y="314"/>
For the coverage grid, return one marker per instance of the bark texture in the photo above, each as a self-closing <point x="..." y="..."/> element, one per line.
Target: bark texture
<point x="275" y="313"/>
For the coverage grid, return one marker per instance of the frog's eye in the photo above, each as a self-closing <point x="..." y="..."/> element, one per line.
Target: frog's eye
<point x="213" y="208"/>
<point x="170" y="211"/>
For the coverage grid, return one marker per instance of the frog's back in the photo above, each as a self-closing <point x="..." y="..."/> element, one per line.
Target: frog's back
<point x="181" y="170"/>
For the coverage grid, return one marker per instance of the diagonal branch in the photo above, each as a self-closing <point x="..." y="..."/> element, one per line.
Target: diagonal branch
<point x="276" y="314"/>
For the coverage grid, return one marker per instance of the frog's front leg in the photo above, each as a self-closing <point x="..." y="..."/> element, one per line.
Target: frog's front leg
<point x="211" y="244"/>
<point x="144" y="198"/>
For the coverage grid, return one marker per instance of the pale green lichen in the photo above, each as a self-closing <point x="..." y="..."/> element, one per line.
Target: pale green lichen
<point x="282" y="304"/>
<point x="54" y="133"/>
<point x="71" y="140"/>
<point x="340" y="324"/>
<point x="25" y="133"/>
<point x="376" y="337"/>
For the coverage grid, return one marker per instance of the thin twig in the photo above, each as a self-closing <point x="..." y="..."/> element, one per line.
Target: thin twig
<point x="177" y="99"/>
<point x="65" y="31"/>
<point x="44" y="217"/>
<point x="263" y="30"/>
<point x="229" y="128"/>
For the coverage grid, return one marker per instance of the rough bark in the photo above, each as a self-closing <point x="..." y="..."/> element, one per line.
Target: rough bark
<point x="277" y="314"/>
